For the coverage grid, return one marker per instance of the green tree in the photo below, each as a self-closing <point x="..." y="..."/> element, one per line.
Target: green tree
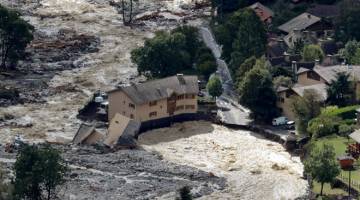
<point x="305" y="108"/>
<point x="283" y="81"/>
<point x="323" y="125"/>
<point x="349" y="51"/>
<point x="321" y="165"/>
<point x="250" y="39"/>
<point x="257" y="93"/>
<point x="207" y="68"/>
<point x="214" y="87"/>
<point x="192" y="42"/>
<point x="246" y="66"/>
<point x="312" y="52"/>
<point x="298" y="46"/>
<point x="38" y="171"/>
<point x="15" y="35"/>
<point x="185" y="194"/>
<point x="339" y="90"/>
<point x="205" y="62"/>
<point x="164" y="55"/>
<point x="167" y="53"/>
<point x="355" y="60"/>
<point x="348" y="23"/>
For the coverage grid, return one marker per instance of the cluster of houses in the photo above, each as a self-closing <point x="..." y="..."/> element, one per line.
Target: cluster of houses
<point x="315" y="26"/>
<point x="158" y="103"/>
<point x="136" y="108"/>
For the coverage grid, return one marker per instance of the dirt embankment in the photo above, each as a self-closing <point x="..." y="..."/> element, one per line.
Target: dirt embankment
<point x="126" y="175"/>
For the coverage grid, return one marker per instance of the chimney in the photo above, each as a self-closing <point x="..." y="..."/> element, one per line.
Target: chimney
<point x="317" y="62"/>
<point x="294" y="69"/>
<point x="309" y="16"/>
<point x="181" y="79"/>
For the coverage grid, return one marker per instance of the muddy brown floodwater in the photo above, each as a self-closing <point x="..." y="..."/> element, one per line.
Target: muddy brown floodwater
<point x="254" y="167"/>
<point x="55" y="120"/>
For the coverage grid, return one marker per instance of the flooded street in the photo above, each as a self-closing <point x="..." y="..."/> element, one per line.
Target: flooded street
<point x="255" y="168"/>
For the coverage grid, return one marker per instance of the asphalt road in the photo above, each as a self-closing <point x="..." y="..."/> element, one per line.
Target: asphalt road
<point x="231" y="112"/>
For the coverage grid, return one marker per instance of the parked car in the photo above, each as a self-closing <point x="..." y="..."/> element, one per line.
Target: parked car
<point x="279" y="121"/>
<point x="290" y="125"/>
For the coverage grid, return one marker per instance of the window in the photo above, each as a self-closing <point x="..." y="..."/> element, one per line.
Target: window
<point x="188" y="107"/>
<point x="131" y="116"/>
<point x="190" y="96"/>
<point x="152" y="103"/>
<point x="180" y="97"/>
<point x="153" y="114"/>
<point x="123" y="102"/>
<point x="131" y="105"/>
<point x="179" y="108"/>
<point x="281" y="99"/>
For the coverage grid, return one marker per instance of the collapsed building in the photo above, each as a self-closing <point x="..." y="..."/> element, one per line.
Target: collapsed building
<point x="137" y="108"/>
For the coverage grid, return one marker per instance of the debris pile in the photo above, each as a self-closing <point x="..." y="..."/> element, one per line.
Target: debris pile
<point x="125" y="174"/>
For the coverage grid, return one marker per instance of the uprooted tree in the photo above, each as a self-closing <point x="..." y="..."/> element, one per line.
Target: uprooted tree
<point x="15" y="35"/>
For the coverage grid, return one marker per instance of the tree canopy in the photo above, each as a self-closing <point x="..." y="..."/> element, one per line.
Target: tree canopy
<point x="339" y="90"/>
<point x="348" y="23"/>
<point x="214" y="87"/>
<point x="312" y="52"/>
<point x="169" y="53"/>
<point x="305" y="108"/>
<point x="242" y="35"/>
<point x="15" y="35"/>
<point x="38" y="171"/>
<point x="257" y="92"/>
<point x="321" y="164"/>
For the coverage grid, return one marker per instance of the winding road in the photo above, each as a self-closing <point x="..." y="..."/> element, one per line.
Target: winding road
<point x="233" y="113"/>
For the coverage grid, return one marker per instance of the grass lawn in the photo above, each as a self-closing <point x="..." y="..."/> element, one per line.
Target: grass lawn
<point x="340" y="145"/>
<point x="327" y="189"/>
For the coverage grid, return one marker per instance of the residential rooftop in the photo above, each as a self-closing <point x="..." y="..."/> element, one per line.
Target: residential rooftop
<point x="161" y="88"/>
<point x="300" y="22"/>
<point x="329" y="73"/>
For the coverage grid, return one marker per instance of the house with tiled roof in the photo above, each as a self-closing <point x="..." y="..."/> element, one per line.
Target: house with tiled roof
<point x="317" y="79"/>
<point x="307" y="28"/>
<point x="264" y="13"/>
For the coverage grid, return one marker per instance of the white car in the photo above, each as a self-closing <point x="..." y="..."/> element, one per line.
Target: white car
<point x="279" y="121"/>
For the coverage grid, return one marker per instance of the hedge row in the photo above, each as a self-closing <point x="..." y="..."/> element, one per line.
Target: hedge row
<point x="348" y="112"/>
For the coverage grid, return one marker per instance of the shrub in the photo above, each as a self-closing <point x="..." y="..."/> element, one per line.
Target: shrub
<point x="348" y="112"/>
<point x="323" y="126"/>
<point x="345" y="129"/>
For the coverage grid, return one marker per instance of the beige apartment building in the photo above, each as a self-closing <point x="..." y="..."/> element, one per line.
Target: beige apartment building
<point x="156" y="99"/>
<point x="316" y="79"/>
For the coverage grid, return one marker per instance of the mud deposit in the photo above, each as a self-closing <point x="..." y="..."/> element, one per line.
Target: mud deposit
<point x="255" y="168"/>
<point x="80" y="46"/>
<point x="127" y="174"/>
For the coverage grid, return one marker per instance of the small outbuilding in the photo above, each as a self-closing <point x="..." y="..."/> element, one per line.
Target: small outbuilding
<point x="87" y="134"/>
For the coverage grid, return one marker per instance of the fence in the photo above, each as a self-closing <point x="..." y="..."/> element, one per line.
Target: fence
<point x="344" y="177"/>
